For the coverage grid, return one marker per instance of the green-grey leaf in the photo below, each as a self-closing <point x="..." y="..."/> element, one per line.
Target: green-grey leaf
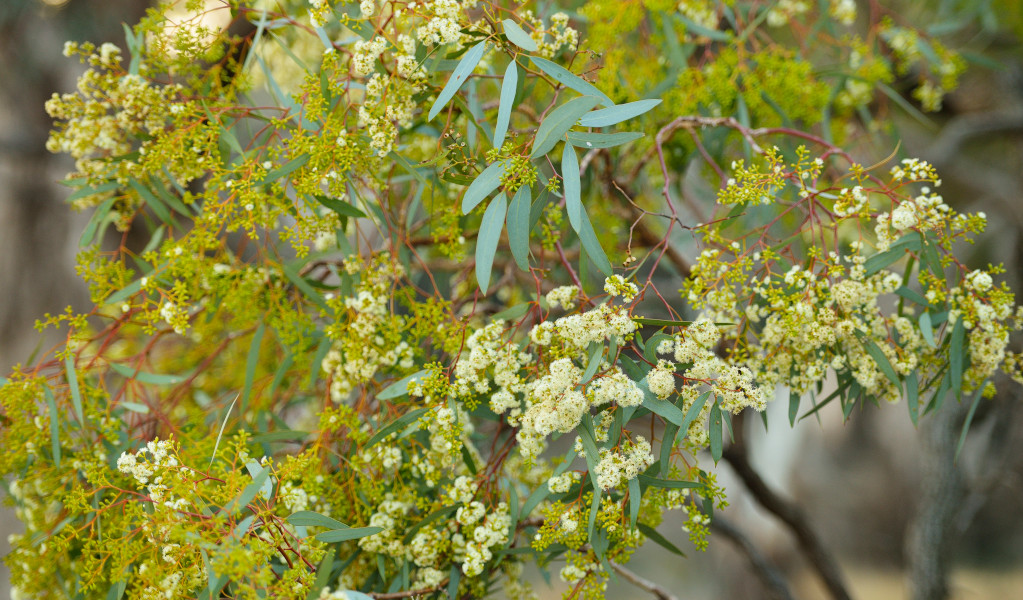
<point x="343" y="535"/>
<point x="400" y="423"/>
<point x="518" y="226"/>
<point x="287" y="168"/>
<point x="913" y="397"/>
<point x="462" y="71"/>
<point x="879" y="357"/>
<point x="72" y="382"/>
<point x="481" y="187"/>
<point x="694" y="411"/>
<point x="670" y="484"/>
<point x="926" y="329"/>
<point x="583" y="139"/>
<point x="593" y="249"/>
<point x="570" y="80"/>
<point x="595" y="355"/>
<point x="667" y="410"/>
<point x="504" y="109"/>
<point x="489" y="236"/>
<point x="309" y="518"/>
<point x="339" y="206"/>
<point x="659" y="539"/>
<point x="144" y="377"/>
<point x="616" y="114"/>
<point x="572" y="185"/>
<point x="400" y="387"/>
<point x="518" y="36"/>
<point x="634" y="498"/>
<point x="557" y="124"/>
<point x="955" y="357"/>
<point x="54" y="426"/>
<point x="716" y="445"/>
<point x="250" y="492"/>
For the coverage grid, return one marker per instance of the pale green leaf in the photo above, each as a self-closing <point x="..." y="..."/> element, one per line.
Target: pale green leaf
<point x="462" y="71"/>
<point x="518" y="36"/>
<point x="572" y="185"/>
<point x="484" y="184"/>
<point x="518" y="226"/>
<point x="557" y="124"/>
<point x="616" y="114"/>
<point x="504" y="109"/>
<point x="583" y="139"/>
<point x="489" y="236"/>
<point x="343" y="535"/>
<point x="570" y="80"/>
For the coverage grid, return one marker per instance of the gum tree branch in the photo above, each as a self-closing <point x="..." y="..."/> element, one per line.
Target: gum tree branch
<point x="659" y="592"/>
<point x="772" y="580"/>
<point x="790" y="514"/>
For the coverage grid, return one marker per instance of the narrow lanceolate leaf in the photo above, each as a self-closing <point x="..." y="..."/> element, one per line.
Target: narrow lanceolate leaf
<point x="490" y="234"/>
<point x="341" y="207"/>
<point x="518" y="227"/>
<point x="51" y="403"/>
<point x="462" y="71"/>
<point x="570" y="79"/>
<point x="400" y="387"/>
<point x="483" y="185"/>
<point x="309" y="518"/>
<point x="716" y="445"/>
<point x="504" y="110"/>
<point x="667" y="410"/>
<point x="343" y="535"/>
<point x="634" y="498"/>
<point x="518" y="36"/>
<point x="879" y="357"/>
<point x="955" y="357"/>
<point x="616" y="114"/>
<point x="287" y="168"/>
<point x="72" y="382"/>
<point x="926" y="329"/>
<point x="572" y="186"/>
<point x="557" y="124"/>
<point x="592" y="246"/>
<point x="913" y="397"/>
<point x="582" y="139"/>
<point x="399" y="424"/>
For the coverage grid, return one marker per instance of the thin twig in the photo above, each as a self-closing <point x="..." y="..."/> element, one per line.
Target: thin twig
<point x="407" y="594"/>
<point x="658" y="592"/>
<point x="765" y="572"/>
<point x="790" y="514"/>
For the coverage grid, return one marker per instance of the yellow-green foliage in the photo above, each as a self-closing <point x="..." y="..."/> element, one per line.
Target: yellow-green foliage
<point x="293" y="384"/>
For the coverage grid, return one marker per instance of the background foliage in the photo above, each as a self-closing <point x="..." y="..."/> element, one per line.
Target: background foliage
<point x="294" y="282"/>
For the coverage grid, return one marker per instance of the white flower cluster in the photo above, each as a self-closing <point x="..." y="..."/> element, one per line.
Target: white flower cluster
<point x="578" y="330"/>
<point x="142" y="467"/>
<point x="562" y="36"/>
<point x="661" y="379"/>
<point x="443" y="23"/>
<point x="564" y="296"/>
<point x="365" y="55"/>
<point x="843" y="11"/>
<point x="785" y="10"/>
<point x="616" y="285"/>
<point x="389" y="516"/>
<point x="361" y="347"/>
<point x="559" y="484"/>
<point x="487" y="348"/>
<point x="850" y="201"/>
<point x="927" y="211"/>
<point x="481" y="531"/>
<point x="702" y="12"/>
<point x="616" y="468"/>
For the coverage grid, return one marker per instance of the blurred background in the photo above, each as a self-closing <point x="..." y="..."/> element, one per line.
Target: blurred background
<point x="878" y="494"/>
